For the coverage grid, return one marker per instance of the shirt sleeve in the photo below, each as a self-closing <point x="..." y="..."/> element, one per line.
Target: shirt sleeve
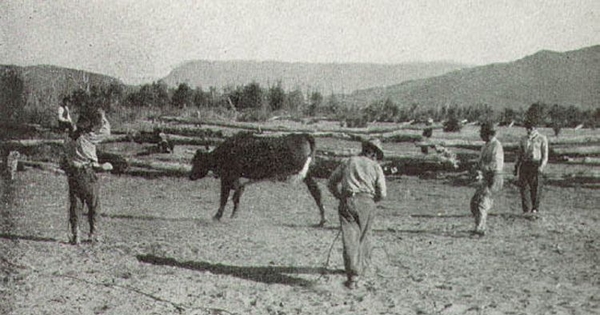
<point x="380" y="185"/>
<point x="335" y="179"/>
<point x="102" y="133"/>
<point x="544" y="152"/>
<point x="498" y="157"/>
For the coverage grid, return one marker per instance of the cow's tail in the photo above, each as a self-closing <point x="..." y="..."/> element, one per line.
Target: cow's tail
<point x="313" y="150"/>
<point x="313" y="146"/>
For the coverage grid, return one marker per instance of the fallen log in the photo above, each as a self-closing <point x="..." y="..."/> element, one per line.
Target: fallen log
<point x="168" y="168"/>
<point x="260" y="128"/>
<point x="392" y="165"/>
<point x="583" y="140"/>
<point x="193" y="131"/>
<point x="27" y="143"/>
<point x="592" y="150"/>
<point x="184" y="140"/>
<point x="45" y="166"/>
<point x="464" y="144"/>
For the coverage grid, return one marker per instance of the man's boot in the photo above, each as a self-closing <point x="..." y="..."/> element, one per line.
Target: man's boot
<point x="75" y="240"/>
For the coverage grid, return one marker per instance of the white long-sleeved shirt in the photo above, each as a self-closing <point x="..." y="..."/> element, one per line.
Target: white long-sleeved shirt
<point x="491" y="158"/>
<point x="82" y="151"/>
<point x="533" y="148"/>
<point x="64" y="115"/>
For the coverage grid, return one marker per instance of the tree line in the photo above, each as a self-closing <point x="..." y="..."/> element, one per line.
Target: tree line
<point x="257" y="103"/>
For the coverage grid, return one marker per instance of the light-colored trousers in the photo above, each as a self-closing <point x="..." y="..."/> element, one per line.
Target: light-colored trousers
<point x="356" y="217"/>
<point x="483" y="199"/>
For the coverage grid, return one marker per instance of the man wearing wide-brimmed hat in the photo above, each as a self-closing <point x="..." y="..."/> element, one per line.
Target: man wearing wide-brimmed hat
<point x="362" y="185"/>
<point x="489" y="174"/>
<point x="532" y="158"/>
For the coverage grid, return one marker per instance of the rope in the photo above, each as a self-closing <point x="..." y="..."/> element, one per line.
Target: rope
<point x="328" y="256"/>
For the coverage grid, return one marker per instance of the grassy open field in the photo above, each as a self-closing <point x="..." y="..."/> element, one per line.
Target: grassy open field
<point x="161" y="253"/>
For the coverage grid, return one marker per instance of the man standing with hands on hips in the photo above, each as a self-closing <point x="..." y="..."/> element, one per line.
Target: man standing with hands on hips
<point x="362" y="185"/>
<point x="532" y="158"/>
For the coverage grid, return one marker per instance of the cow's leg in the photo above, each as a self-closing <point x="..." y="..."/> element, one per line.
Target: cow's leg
<point x="225" y="190"/>
<point x="315" y="191"/>
<point x="238" y="190"/>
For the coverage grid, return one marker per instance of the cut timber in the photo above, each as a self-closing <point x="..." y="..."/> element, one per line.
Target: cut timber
<point x="192" y="131"/>
<point x="26" y="143"/>
<point x="184" y="140"/>
<point x="464" y="144"/>
<point x="586" y="160"/>
<point x="259" y="128"/>
<point x="45" y="166"/>
<point x="583" y="140"/>
<point x="392" y="165"/>
<point x="166" y="168"/>
<point x="576" y="151"/>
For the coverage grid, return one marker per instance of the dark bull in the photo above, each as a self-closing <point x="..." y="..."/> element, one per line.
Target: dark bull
<point x="258" y="158"/>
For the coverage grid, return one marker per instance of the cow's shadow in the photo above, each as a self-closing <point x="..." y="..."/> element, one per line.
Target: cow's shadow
<point x="198" y="221"/>
<point x="268" y="275"/>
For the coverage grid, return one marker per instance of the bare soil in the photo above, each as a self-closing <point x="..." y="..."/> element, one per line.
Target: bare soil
<point x="162" y="254"/>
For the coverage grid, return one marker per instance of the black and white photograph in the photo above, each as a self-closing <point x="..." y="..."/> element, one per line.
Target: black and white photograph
<point x="288" y="157"/>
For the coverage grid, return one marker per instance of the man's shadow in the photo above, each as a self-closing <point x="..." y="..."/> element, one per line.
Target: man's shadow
<point x="268" y="275"/>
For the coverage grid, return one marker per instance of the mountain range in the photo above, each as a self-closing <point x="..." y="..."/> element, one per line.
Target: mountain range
<point x="44" y="85"/>
<point x="567" y="78"/>
<point x="326" y="78"/>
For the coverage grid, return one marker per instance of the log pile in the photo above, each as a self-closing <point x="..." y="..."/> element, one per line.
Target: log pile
<point x="581" y="150"/>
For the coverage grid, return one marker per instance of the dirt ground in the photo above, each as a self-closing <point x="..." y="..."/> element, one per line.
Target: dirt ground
<point x="162" y="254"/>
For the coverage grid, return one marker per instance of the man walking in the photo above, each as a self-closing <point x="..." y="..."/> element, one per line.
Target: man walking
<point x="489" y="174"/>
<point x="80" y="164"/>
<point x="362" y="185"/>
<point x="532" y="158"/>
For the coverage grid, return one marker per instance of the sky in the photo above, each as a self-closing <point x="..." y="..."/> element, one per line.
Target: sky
<point x="141" y="41"/>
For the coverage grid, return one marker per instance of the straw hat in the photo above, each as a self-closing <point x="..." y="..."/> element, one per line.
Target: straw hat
<point x="375" y="145"/>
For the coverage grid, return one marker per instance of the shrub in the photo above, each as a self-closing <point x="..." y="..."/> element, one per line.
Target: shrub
<point x="452" y="125"/>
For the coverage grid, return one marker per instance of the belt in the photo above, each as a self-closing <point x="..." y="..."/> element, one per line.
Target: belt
<point x="349" y="194"/>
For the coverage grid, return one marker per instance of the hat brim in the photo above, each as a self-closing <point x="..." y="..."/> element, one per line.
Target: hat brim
<point x="375" y="148"/>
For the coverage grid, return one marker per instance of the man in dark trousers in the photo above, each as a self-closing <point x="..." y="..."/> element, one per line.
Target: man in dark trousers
<point x="362" y="185"/>
<point x="80" y="164"/>
<point x="532" y="158"/>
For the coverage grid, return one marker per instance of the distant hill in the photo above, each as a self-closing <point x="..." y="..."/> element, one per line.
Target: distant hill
<point x="46" y="84"/>
<point x="568" y="78"/>
<point x="32" y="94"/>
<point x="326" y="78"/>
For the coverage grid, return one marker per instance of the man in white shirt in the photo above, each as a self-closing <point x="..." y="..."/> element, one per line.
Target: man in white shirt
<point x="489" y="174"/>
<point x="532" y="159"/>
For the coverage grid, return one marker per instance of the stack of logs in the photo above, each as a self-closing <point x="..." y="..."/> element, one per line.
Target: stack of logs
<point x="583" y="150"/>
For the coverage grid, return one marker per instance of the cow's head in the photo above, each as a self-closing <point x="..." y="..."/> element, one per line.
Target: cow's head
<point x="201" y="164"/>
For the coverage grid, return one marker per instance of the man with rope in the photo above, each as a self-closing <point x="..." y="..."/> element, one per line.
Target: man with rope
<point x="362" y="185"/>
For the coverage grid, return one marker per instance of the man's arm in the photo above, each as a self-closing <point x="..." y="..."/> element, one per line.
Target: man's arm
<point x="497" y="158"/>
<point x="334" y="180"/>
<point x="380" y="186"/>
<point x="544" y="149"/>
<point x="102" y="133"/>
<point x="520" y="152"/>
